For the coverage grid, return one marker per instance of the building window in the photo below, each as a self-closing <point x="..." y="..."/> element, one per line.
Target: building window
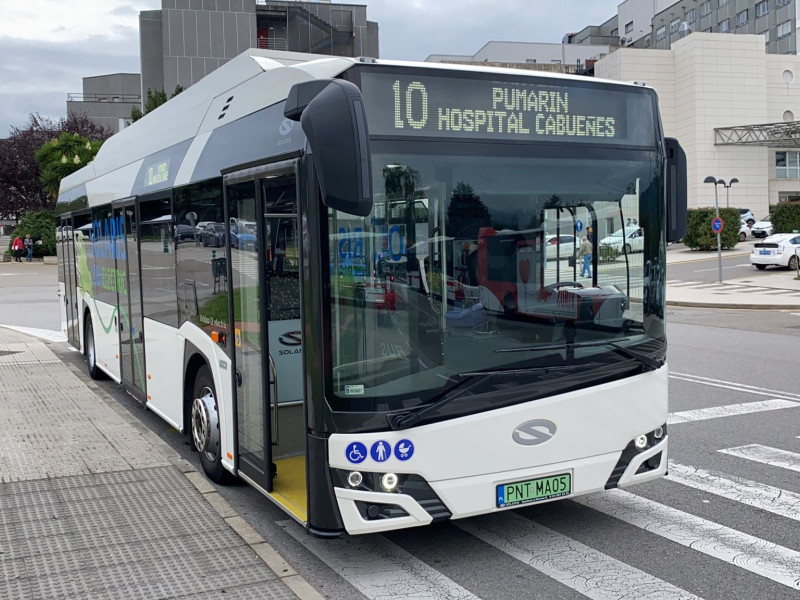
<point x="661" y="32"/>
<point x="741" y="18"/>
<point x="784" y="29"/>
<point x="673" y="26"/>
<point x="705" y="8"/>
<point x="629" y="27"/>
<point x="725" y="26"/>
<point x="691" y="16"/>
<point x="615" y="33"/>
<point x="787" y="165"/>
<point x="766" y="36"/>
<point x="723" y="2"/>
<point x="781" y="2"/>
<point x="762" y="8"/>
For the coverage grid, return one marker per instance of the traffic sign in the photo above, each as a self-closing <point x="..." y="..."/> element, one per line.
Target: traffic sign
<point x="716" y="225"/>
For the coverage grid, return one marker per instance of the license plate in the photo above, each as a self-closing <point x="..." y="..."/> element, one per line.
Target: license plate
<point x="533" y="490"/>
<point x="765" y="252"/>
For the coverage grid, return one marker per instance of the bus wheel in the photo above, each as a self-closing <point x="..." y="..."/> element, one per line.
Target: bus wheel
<point x="91" y="352"/>
<point x="205" y="426"/>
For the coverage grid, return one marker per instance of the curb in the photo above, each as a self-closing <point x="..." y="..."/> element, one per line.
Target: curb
<point x="719" y="305"/>
<point x="269" y="556"/>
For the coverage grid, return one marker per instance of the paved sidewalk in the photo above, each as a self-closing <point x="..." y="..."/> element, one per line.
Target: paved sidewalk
<point x="94" y="505"/>
<point x="775" y="289"/>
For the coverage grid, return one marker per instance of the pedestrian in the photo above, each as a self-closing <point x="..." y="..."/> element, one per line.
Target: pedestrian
<point x="28" y="247"/>
<point x="17" y="247"/>
<point x="585" y="255"/>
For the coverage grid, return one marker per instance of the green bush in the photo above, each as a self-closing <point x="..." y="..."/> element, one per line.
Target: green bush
<point x="699" y="235"/>
<point x="785" y="217"/>
<point x="607" y="253"/>
<point x="42" y="227"/>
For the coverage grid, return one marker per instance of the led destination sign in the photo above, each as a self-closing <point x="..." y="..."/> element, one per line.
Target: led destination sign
<point x="414" y="105"/>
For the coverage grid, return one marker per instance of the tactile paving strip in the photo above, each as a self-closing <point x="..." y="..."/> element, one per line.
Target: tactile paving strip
<point x="135" y="534"/>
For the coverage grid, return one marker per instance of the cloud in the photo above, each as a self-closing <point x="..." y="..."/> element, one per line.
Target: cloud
<point x="415" y="30"/>
<point x="59" y="69"/>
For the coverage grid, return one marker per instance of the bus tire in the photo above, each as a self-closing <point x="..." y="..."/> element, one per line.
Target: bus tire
<point x="90" y="351"/>
<point x="205" y="429"/>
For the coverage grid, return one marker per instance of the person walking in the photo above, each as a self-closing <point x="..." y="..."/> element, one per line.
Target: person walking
<point x="28" y="247"/>
<point x="17" y="247"/>
<point x="585" y="255"/>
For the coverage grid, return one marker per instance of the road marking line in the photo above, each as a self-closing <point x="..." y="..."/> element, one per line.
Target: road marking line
<point x="730" y="410"/>
<point x="752" y="493"/>
<point x="740" y="387"/>
<point x="579" y="567"/>
<point x="773" y="457"/>
<point x="379" y="568"/>
<point x="778" y="563"/>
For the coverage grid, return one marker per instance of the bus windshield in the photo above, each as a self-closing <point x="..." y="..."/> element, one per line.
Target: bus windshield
<point x="475" y="263"/>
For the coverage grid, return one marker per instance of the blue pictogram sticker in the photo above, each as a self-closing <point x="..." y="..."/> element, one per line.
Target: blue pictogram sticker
<point x="404" y="449"/>
<point x="501" y="496"/>
<point x="578" y="225"/>
<point x="380" y="451"/>
<point x="356" y="453"/>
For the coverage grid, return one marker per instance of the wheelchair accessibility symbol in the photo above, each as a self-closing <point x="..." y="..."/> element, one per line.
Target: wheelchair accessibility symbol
<point x="356" y="453"/>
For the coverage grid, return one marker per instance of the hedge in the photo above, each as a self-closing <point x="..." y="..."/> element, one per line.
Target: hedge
<point x="41" y="226"/>
<point x="785" y="217"/>
<point x="699" y="235"/>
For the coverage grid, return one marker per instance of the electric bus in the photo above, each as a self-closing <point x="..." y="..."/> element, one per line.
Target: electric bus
<point x="352" y="358"/>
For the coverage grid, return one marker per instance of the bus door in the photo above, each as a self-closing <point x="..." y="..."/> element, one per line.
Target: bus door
<point x="129" y="300"/>
<point x="261" y="219"/>
<point x="70" y="284"/>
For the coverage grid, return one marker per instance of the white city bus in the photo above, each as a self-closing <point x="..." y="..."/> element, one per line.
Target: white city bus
<point x="330" y="274"/>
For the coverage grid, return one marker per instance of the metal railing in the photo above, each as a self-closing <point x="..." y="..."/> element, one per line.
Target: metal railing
<point x="129" y="98"/>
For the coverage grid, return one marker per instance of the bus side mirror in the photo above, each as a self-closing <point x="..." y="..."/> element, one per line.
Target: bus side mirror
<point x="335" y="123"/>
<point x="676" y="190"/>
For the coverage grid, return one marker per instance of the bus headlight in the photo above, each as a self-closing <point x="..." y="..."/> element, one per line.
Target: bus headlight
<point x="389" y="482"/>
<point x="658" y="433"/>
<point x="640" y="442"/>
<point x="354" y="479"/>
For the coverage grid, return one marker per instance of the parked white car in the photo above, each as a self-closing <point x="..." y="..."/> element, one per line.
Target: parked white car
<point x="746" y="215"/>
<point x="762" y="228"/>
<point x="781" y="250"/>
<point x="633" y="240"/>
<point x="744" y="231"/>
<point x="560" y="246"/>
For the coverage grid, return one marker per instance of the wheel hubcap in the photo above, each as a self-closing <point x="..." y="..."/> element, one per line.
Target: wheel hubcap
<point x="205" y="430"/>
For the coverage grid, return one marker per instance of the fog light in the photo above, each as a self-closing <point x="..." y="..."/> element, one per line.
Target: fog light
<point x="640" y="442"/>
<point x="658" y="433"/>
<point x="389" y="482"/>
<point x="354" y="479"/>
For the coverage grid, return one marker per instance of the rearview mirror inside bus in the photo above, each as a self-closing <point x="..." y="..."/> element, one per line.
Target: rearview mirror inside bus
<point x="335" y="124"/>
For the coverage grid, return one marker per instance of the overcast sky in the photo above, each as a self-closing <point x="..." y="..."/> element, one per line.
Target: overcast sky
<point x="48" y="46"/>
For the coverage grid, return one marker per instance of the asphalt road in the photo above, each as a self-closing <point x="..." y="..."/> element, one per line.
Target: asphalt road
<point x="723" y="525"/>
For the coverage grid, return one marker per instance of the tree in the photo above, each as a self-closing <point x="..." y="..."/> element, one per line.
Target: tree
<point x="153" y="101"/>
<point x="63" y="155"/>
<point x="466" y="212"/>
<point x="41" y="227"/>
<point x="21" y="188"/>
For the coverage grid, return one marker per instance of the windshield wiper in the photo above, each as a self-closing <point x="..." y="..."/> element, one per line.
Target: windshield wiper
<point x="646" y="360"/>
<point x="406" y="420"/>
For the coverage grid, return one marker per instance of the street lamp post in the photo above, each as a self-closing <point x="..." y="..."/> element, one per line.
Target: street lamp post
<point x="716" y="182"/>
<point x="728" y="190"/>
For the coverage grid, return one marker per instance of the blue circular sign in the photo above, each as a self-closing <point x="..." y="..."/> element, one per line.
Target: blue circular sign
<point x="380" y="451"/>
<point x="716" y="225"/>
<point x="404" y="449"/>
<point x="578" y="225"/>
<point x="356" y="453"/>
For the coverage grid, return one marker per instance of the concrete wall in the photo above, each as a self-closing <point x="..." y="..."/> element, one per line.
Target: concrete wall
<point x="522" y="52"/>
<point x="717" y="80"/>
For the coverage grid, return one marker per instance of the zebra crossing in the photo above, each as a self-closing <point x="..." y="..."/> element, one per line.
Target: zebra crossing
<point x="567" y="549"/>
<point x="731" y="288"/>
